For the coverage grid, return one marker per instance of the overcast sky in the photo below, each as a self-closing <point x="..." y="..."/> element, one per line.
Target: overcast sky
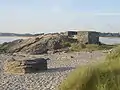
<point x="36" y="16"/>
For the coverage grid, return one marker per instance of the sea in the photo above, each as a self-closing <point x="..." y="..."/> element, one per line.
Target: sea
<point x="110" y="40"/>
<point x="9" y="39"/>
<point x="105" y="40"/>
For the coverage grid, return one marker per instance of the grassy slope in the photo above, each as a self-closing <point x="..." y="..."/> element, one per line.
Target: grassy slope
<point x="105" y="76"/>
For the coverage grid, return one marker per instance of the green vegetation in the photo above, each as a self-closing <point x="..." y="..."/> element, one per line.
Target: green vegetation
<point x="90" y="47"/>
<point x="3" y="47"/>
<point x="69" y="42"/>
<point x="77" y="47"/>
<point x="66" y="44"/>
<point x="103" y="76"/>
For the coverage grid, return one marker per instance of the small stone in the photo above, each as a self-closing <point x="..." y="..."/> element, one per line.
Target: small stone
<point x="71" y="56"/>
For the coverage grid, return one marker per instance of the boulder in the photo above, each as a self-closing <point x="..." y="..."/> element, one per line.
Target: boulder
<point x="25" y="66"/>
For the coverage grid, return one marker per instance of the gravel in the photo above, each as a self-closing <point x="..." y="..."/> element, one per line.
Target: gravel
<point x="59" y="66"/>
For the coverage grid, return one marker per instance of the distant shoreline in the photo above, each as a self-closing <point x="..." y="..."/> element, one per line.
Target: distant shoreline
<point x="35" y="36"/>
<point x="12" y="38"/>
<point x="17" y="36"/>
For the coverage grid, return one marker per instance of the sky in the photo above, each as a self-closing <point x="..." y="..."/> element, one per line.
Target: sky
<point x="44" y="16"/>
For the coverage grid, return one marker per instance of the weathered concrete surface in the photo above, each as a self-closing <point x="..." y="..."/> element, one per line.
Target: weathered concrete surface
<point x="90" y="37"/>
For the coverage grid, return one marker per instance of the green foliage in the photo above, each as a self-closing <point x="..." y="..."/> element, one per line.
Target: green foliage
<point x="3" y="47"/>
<point x="103" y="76"/>
<point x="94" y="47"/>
<point x="115" y="54"/>
<point x="77" y="47"/>
<point x="77" y="79"/>
<point x="66" y="44"/>
<point x="90" y="47"/>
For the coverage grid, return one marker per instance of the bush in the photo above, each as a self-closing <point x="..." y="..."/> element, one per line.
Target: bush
<point x="104" y="76"/>
<point x="77" y="47"/>
<point x="3" y="48"/>
<point x="66" y="44"/>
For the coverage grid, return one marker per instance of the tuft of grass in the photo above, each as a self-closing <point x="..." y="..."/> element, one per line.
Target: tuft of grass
<point x="103" y="76"/>
<point x="73" y="81"/>
<point x="114" y="55"/>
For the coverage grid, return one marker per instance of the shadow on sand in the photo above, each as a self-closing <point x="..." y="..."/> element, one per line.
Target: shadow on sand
<point x="60" y="69"/>
<point x="50" y="70"/>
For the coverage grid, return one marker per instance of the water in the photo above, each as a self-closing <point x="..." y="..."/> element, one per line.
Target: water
<point x="106" y="40"/>
<point x="9" y="39"/>
<point x="110" y="40"/>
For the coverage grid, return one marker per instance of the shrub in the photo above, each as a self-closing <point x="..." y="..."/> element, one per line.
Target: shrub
<point x="103" y="76"/>
<point x="66" y="44"/>
<point x="3" y="48"/>
<point x="77" y="47"/>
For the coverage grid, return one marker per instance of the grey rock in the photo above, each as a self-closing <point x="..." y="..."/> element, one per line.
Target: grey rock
<point x="37" y="45"/>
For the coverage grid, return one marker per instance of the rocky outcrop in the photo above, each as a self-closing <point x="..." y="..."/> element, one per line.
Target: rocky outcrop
<point x="37" y="45"/>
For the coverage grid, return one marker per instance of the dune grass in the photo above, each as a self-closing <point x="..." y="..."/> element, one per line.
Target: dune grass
<point x="103" y="76"/>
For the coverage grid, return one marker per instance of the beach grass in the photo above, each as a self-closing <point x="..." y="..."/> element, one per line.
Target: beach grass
<point x="103" y="76"/>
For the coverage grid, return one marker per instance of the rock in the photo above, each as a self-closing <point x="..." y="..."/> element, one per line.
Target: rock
<point x="50" y="52"/>
<point x="37" y="45"/>
<point x="25" y="66"/>
<point x="71" y="56"/>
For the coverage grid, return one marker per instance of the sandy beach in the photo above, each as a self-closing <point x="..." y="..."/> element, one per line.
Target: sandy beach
<point x="59" y="66"/>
